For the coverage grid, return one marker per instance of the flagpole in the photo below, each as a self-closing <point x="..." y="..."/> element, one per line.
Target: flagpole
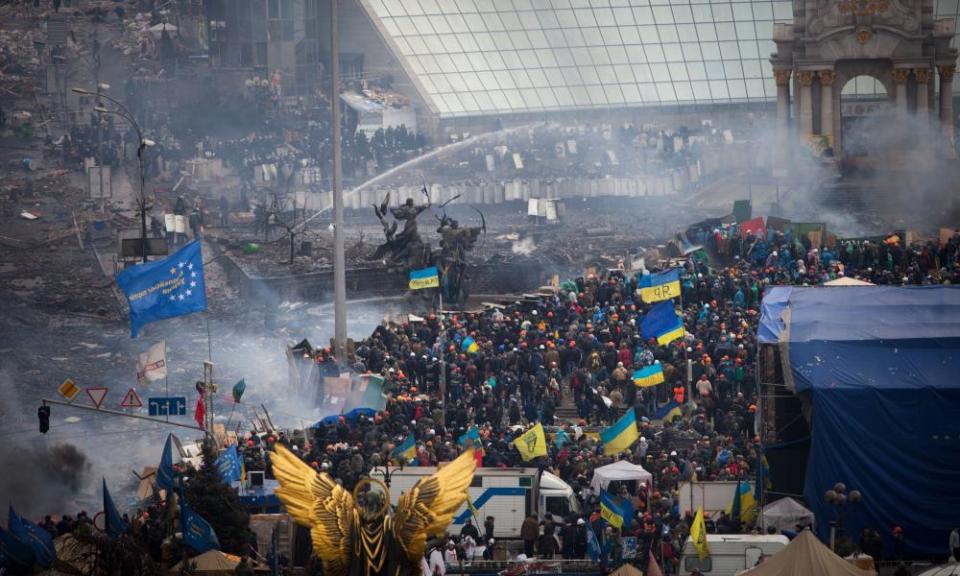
<point x="209" y="342"/>
<point x="443" y="363"/>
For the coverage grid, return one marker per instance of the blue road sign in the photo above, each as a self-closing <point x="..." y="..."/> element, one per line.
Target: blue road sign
<point x="168" y="406"/>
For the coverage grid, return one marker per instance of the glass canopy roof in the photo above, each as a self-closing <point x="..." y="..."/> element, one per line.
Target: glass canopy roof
<point x="474" y="57"/>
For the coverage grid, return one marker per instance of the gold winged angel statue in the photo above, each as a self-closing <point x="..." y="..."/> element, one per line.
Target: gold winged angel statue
<point x="354" y="534"/>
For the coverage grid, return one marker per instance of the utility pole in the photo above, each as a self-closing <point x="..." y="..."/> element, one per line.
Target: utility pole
<point x="339" y="260"/>
<point x="210" y="390"/>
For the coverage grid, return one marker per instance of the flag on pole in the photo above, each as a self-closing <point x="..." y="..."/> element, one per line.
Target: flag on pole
<point x="165" y="471"/>
<point x="424" y="278"/>
<point x="668" y="412"/>
<point x="532" y="443"/>
<point x="610" y="510"/>
<point x="38" y="539"/>
<point x="228" y="464"/>
<point x="197" y="532"/>
<point x="698" y="535"/>
<point x="165" y="288"/>
<point x="649" y="375"/>
<point x="112" y="518"/>
<point x="238" y="390"/>
<point x="743" y="507"/>
<point x="660" y="286"/>
<point x="472" y="434"/>
<point x="406" y="451"/>
<point x="200" y="411"/>
<point x="662" y="323"/>
<point x="593" y="545"/>
<point x="152" y="364"/>
<point x="621" y="435"/>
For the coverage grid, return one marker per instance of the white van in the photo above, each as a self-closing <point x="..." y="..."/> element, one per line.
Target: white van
<point x="507" y="494"/>
<point x="730" y="553"/>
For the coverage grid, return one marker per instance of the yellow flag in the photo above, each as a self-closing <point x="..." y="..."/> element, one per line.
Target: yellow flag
<point x="698" y="534"/>
<point x="532" y="443"/>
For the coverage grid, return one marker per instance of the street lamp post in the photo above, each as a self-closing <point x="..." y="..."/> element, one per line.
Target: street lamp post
<point x="142" y="144"/>
<point x="840" y="498"/>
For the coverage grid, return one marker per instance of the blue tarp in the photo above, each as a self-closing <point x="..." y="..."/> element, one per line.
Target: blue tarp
<point x="351" y="416"/>
<point x="774" y="302"/>
<point x="880" y="365"/>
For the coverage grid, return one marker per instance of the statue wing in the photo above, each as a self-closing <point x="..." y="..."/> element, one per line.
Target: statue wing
<point x="428" y="508"/>
<point x="316" y="502"/>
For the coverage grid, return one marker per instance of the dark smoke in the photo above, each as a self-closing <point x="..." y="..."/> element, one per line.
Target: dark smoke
<point x="38" y="480"/>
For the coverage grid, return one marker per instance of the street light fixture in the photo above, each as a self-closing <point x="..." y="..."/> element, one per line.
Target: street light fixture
<point x="840" y="498"/>
<point x="142" y="144"/>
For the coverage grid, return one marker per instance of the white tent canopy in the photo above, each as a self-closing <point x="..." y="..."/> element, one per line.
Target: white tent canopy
<point x="622" y="470"/>
<point x="786" y="513"/>
<point x="845" y="281"/>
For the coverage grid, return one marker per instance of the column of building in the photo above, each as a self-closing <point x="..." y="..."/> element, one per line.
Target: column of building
<point x="783" y="98"/>
<point x="946" y="101"/>
<point x="826" y="103"/>
<point x="805" y="79"/>
<point x="900" y="76"/>
<point x="922" y="76"/>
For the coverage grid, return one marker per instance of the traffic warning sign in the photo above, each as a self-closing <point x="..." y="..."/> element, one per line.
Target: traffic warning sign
<point x="131" y="400"/>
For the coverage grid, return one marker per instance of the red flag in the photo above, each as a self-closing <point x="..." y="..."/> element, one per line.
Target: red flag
<point x="754" y="227"/>
<point x="478" y="456"/>
<point x="653" y="569"/>
<point x="200" y="411"/>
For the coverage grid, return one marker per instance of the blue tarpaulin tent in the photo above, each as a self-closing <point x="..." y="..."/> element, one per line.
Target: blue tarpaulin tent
<point x="879" y="367"/>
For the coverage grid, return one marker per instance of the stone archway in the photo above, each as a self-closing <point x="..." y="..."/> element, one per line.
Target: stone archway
<point x="831" y="41"/>
<point x="863" y="103"/>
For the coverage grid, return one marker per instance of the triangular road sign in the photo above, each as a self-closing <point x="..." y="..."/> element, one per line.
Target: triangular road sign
<point x="131" y="400"/>
<point x="97" y="395"/>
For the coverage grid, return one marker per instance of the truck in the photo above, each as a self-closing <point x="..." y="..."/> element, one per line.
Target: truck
<point x="730" y="553"/>
<point x="507" y="494"/>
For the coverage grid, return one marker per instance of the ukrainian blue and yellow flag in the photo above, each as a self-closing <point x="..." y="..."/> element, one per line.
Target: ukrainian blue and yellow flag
<point x="648" y="375"/>
<point x="660" y="286"/>
<point x="472" y="434"/>
<point x="668" y="412"/>
<point x="610" y="510"/>
<point x="743" y="507"/>
<point x="406" y="451"/>
<point x="621" y="435"/>
<point x="662" y="323"/>
<point x="469" y="345"/>
<point x="425" y="278"/>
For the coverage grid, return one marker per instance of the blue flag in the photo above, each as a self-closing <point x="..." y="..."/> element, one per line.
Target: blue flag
<point x="38" y="539"/>
<point x="114" y="521"/>
<point x="593" y="545"/>
<point x="165" y="288"/>
<point x="197" y="532"/>
<point x="561" y="438"/>
<point x="228" y="464"/>
<point x="15" y="555"/>
<point x="165" y="471"/>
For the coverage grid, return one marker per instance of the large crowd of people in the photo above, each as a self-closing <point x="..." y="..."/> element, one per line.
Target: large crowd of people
<point x="574" y="352"/>
<point x="583" y="345"/>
